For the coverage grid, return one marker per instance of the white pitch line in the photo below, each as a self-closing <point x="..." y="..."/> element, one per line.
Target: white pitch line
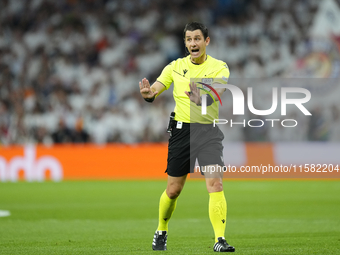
<point x="4" y="213"/>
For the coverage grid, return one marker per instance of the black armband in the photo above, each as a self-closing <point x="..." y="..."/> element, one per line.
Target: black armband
<point x="210" y="100"/>
<point x="149" y="100"/>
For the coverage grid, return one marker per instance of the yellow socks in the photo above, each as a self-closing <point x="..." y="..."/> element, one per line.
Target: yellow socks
<point x="218" y="213"/>
<point x="166" y="208"/>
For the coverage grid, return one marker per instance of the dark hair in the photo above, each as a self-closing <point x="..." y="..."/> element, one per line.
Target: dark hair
<point x="192" y="26"/>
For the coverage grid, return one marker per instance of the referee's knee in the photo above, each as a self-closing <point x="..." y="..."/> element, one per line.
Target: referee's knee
<point x="173" y="192"/>
<point x="214" y="185"/>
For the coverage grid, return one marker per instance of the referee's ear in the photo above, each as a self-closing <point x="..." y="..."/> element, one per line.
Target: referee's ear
<point x="207" y="41"/>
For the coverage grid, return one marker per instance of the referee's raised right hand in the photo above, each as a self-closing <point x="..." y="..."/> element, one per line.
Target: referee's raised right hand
<point x="145" y="89"/>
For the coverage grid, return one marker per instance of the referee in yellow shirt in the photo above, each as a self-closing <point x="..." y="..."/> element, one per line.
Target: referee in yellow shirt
<point x="192" y="134"/>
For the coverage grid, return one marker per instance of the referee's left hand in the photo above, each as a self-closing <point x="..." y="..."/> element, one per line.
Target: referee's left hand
<point x="194" y="94"/>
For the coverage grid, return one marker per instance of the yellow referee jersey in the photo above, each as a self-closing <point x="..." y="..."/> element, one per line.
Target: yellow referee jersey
<point x="179" y="72"/>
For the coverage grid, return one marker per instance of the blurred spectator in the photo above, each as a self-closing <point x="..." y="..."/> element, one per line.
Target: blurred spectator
<point x="318" y="126"/>
<point x="80" y="135"/>
<point x="63" y="134"/>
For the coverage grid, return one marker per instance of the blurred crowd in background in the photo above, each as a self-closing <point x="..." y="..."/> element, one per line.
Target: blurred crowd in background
<point x="69" y="69"/>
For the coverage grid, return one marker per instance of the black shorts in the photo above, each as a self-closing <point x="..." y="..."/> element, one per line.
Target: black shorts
<point x="194" y="141"/>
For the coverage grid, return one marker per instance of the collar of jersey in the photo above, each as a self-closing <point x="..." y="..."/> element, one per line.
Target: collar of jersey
<point x="198" y="64"/>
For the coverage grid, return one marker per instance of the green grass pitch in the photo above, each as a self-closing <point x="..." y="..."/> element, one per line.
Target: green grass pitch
<point x="120" y="217"/>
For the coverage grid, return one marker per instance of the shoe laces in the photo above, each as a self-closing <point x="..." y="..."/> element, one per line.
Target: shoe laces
<point x="223" y="241"/>
<point x="161" y="238"/>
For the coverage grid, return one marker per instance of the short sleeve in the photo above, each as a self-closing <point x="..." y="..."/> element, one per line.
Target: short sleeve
<point x="223" y="72"/>
<point x="166" y="76"/>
